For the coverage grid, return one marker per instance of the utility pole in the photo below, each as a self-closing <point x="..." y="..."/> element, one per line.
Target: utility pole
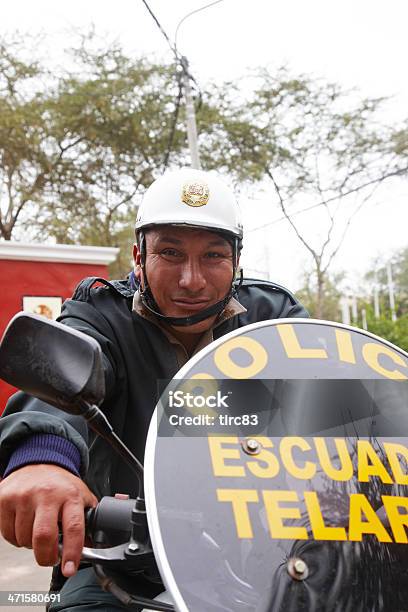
<point x="354" y="311"/>
<point x="364" y="318"/>
<point x="345" y="310"/>
<point x="376" y="298"/>
<point x="391" y="292"/>
<point x="190" y="116"/>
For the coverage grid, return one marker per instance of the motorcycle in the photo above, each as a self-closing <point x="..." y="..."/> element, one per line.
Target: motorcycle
<point x="289" y="439"/>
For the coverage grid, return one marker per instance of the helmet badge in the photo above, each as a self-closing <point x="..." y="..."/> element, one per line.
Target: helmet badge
<point x="195" y="194"/>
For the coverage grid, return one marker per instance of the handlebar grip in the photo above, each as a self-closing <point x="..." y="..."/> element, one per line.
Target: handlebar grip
<point x="112" y="516"/>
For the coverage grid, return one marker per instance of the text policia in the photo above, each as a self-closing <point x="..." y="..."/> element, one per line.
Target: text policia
<point x="376" y="356"/>
<point x="283" y="507"/>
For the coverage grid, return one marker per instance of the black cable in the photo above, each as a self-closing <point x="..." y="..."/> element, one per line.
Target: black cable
<point x="180" y="90"/>
<point x="172" y="47"/>
<point x="174" y="122"/>
<point x="186" y="71"/>
<point x="199" y="102"/>
<point x="183" y="62"/>
<point x="133" y="602"/>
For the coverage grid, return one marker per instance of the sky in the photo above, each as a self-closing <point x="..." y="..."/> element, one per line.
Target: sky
<point x="357" y="43"/>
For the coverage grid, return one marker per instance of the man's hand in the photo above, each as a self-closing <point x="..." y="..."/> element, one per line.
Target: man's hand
<point x="32" y="501"/>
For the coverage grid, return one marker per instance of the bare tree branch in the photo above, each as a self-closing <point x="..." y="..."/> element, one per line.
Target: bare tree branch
<point x="287" y="216"/>
<point x="381" y="179"/>
<point x="349" y="220"/>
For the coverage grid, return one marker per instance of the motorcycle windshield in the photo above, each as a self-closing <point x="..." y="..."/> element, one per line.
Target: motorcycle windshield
<point x="277" y="472"/>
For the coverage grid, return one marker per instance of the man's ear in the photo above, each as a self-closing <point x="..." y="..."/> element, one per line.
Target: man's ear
<point x="137" y="263"/>
<point x="136" y="255"/>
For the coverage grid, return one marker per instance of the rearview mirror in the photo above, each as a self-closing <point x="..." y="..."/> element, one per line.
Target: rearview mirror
<point x="53" y="362"/>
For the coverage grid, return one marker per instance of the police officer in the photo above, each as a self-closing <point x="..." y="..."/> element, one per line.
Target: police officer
<point x="182" y="294"/>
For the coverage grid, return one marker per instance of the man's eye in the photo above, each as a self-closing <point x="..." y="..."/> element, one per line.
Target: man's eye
<point x="217" y="255"/>
<point x="170" y="253"/>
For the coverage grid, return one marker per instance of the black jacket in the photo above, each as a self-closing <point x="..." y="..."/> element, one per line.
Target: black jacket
<point x="136" y="355"/>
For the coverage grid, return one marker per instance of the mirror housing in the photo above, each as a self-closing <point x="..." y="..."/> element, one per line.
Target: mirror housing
<point x="51" y="361"/>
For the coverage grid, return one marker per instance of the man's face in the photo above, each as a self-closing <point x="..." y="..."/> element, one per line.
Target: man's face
<point x="188" y="270"/>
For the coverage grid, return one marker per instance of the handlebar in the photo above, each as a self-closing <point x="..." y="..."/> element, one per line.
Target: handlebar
<point x="117" y="527"/>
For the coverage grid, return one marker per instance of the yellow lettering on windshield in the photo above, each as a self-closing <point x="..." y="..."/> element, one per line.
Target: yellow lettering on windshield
<point x="394" y="451"/>
<point x="371" y="353"/>
<point x="275" y="514"/>
<point x="345" y="346"/>
<point x="265" y="464"/>
<point x="345" y="471"/>
<point x="363" y="519"/>
<point x="308" y="469"/>
<point x="292" y="346"/>
<point x="255" y="350"/>
<point x="240" y="498"/>
<point x="398" y="521"/>
<point x="369" y="463"/>
<point x="320" y="530"/>
<point x="219" y="454"/>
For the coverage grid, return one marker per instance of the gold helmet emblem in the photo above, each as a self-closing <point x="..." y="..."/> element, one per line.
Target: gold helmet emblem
<point x="195" y="194"/>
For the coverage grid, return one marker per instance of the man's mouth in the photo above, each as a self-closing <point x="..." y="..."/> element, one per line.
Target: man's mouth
<point x="191" y="304"/>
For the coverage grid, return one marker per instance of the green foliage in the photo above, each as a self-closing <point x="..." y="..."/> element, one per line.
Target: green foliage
<point x="399" y="141"/>
<point x="399" y="267"/>
<point x="115" y="117"/>
<point x="26" y="151"/>
<point x="77" y="150"/>
<point x="307" y="294"/>
<point x="393" y="331"/>
<point x="296" y="128"/>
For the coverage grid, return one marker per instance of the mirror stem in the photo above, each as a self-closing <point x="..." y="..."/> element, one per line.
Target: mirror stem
<point x="100" y="425"/>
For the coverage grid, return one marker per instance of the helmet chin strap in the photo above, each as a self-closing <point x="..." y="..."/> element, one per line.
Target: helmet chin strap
<point x="150" y="303"/>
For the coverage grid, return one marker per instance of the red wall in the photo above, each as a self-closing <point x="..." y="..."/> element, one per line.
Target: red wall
<point x="24" y="278"/>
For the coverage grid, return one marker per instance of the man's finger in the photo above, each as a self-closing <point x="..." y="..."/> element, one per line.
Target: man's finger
<point x="7" y="524"/>
<point x="23" y="526"/>
<point x="45" y="535"/>
<point x="73" y="530"/>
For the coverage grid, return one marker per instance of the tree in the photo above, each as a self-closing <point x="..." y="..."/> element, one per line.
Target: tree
<point x="29" y="153"/>
<point x="330" y="301"/>
<point x="114" y="111"/>
<point x="377" y="278"/>
<point x="395" y="332"/>
<point x="78" y="148"/>
<point x="319" y="147"/>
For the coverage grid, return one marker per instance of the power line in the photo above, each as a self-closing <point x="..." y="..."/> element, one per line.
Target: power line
<point x="174" y="122"/>
<point x="179" y="83"/>
<point x="190" y="110"/>
<point x="172" y="47"/>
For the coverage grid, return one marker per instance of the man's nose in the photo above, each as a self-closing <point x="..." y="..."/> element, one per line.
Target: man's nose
<point x="192" y="277"/>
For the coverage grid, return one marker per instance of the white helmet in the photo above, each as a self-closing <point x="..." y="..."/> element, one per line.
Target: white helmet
<point x="193" y="198"/>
